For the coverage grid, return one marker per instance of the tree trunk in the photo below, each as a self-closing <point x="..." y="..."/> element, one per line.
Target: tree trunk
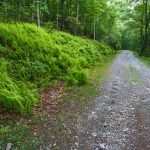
<point x="78" y="7"/>
<point x="142" y="40"/>
<point x="19" y="15"/>
<point x="77" y="17"/>
<point x="145" y="23"/>
<point x="57" y="17"/>
<point x="62" y="15"/>
<point x="32" y="16"/>
<point x="94" y="34"/>
<point x="38" y="14"/>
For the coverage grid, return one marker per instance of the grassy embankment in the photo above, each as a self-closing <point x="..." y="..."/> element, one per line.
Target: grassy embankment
<point x="78" y="99"/>
<point x="32" y="59"/>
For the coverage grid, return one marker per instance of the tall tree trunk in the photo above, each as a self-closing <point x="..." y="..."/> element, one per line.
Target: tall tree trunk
<point x="94" y="34"/>
<point x="19" y="15"/>
<point x="145" y="23"/>
<point x="142" y="40"/>
<point x="142" y="33"/>
<point x="33" y="13"/>
<point x="77" y="17"/>
<point x="78" y="7"/>
<point x="57" y="17"/>
<point x="62" y="14"/>
<point x="38" y="14"/>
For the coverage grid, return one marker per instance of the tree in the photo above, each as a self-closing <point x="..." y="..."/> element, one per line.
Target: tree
<point x="144" y="27"/>
<point x="38" y="13"/>
<point x="92" y="18"/>
<point x="62" y="14"/>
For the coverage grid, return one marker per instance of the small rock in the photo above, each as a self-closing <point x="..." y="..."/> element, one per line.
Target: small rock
<point x="9" y="145"/>
<point x="76" y="143"/>
<point x="94" y="134"/>
<point x="102" y="145"/>
<point x="109" y="109"/>
<point x="106" y="147"/>
<point x="54" y="144"/>
<point x="76" y="137"/>
<point x="93" y="112"/>
<point x="126" y="129"/>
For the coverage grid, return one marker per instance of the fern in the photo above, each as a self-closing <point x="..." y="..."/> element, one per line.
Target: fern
<point x="31" y="56"/>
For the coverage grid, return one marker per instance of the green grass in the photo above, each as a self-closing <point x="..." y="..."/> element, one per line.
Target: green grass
<point x="144" y="59"/>
<point x="97" y="75"/>
<point x="21" y="134"/>
<point x="31" y="59"/>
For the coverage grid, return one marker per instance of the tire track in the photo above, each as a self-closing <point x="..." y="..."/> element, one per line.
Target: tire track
<point x="120" y="117"/>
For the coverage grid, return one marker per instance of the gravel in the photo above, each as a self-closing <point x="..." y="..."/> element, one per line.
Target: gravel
<point x="120" y="117"/>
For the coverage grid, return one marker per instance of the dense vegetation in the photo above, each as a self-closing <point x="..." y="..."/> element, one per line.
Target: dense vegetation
<point x="95" y="19"/>
<point x="136" y="26"/>
<point x="120" y="23"/>
<point x="31" y="58"/>
<point x="68" y="44"/>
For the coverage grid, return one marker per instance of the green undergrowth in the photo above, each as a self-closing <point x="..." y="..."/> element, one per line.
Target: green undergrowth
<point x="145" y="59"/>
<point x="97" y="76"/>
<point x="19" y="135"/>
<point x="76" y="100"/>
<point x="31" y="59"/>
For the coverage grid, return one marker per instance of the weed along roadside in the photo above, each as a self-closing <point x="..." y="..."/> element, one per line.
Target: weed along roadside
<point x="54" y="125"/>
<point x="69" y="79"/>
<point x="46" y="79"/>
<point x="32" y="59"/>
<point x="144" y="59"/>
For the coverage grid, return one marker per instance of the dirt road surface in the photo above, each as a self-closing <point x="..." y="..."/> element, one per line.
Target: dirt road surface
<point x="120" y="117"/>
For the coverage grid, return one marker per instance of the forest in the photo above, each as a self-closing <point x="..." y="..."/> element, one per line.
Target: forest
<point x="39" y="55"/>
<point x="115" y="21"/>
<point x="46" y="43"/>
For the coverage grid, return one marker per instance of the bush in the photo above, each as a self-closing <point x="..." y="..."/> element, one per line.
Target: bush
<point x="15" y="95"/>
<point x="113" y="42"/>
<point x="36" y="57"/>
<point x="77" y="77"/>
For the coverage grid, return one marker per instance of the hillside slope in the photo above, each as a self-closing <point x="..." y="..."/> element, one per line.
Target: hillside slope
<point x="31" y="58"/>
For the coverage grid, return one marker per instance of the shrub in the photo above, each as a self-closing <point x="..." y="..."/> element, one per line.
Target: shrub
<point x="35" y="57"/>
<point x="113" y="41"/>
<point x="15" y="95"/>
<point x="77" y="77"/>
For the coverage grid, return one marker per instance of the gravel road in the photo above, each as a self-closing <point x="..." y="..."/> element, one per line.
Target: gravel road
<point x="120" y="118"/>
